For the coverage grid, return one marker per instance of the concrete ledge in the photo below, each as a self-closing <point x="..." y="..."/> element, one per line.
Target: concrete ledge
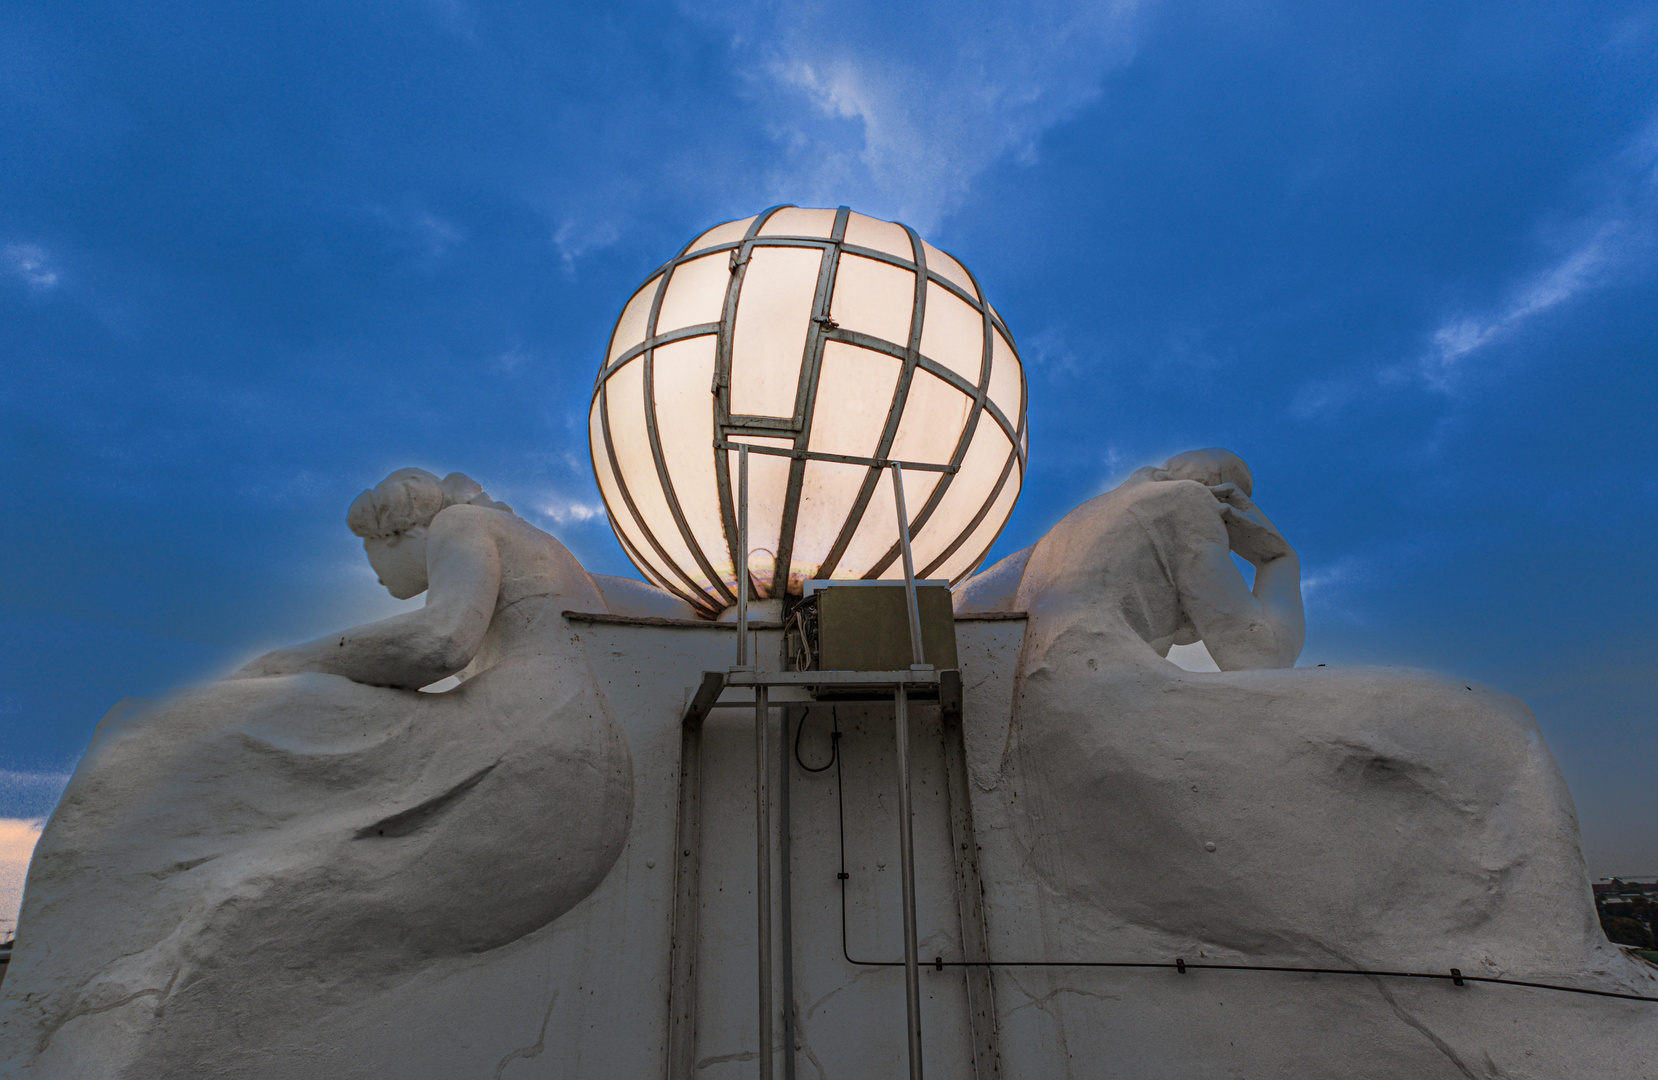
<point x="702" y="624"/>
<point x="652" y="620"/>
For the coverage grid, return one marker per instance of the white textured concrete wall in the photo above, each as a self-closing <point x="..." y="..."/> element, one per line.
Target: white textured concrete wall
<point x="587" y="997"/>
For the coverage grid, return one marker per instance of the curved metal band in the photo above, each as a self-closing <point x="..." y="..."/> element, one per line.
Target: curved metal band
<point x="722" y="393"/>
<point x="799" y="427"/>
<point x="979" y="394"/>
<point x="725" y="596"/>
<point x="895" y="411"/>
<point x="811" y="364"/>
<point x="968" y="529"/>
<point x="695" y="597"/>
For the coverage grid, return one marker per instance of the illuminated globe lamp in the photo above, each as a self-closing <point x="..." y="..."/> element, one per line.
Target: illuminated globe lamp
<point x="832" y="345"/>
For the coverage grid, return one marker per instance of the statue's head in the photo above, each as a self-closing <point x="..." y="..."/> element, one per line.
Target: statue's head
<point x="393" y="519"/>
<point x="1210" y="467"/>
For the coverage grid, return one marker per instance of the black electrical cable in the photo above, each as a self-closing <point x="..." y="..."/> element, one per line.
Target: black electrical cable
<point x="1180" y="964"/>
<point x="834" y="742"/>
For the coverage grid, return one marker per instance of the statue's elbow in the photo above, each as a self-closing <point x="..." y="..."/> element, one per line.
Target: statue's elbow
<point x="452" y="638"/>
<point x="450" y="655"/>
<point x="436" y="655"/>
<point x="1261" y="646"/>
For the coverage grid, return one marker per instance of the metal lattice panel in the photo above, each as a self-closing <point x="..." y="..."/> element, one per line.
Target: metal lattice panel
<point x="832" y="344"/>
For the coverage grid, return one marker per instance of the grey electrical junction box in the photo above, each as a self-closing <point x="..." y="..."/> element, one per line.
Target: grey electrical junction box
<point x="865" y="626"/>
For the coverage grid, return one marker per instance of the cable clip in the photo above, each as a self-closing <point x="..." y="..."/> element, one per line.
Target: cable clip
<point x="1180" y="964"/>
<point x="1456" y="977"/>
<point x="938" y="963"/>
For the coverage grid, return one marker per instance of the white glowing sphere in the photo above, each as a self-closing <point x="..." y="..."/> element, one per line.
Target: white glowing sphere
<point x="832" y="344"/>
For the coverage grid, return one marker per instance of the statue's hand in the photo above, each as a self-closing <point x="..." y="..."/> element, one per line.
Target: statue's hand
<point x="1252" y="536"/>
<point x="1231" y="495"/>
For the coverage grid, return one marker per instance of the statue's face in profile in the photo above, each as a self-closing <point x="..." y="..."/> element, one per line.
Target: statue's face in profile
<point x="1209" y="468"/>
<point x="400" y="561"/>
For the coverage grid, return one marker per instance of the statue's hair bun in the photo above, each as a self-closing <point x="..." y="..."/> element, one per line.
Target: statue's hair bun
<point x="413" y="497"/>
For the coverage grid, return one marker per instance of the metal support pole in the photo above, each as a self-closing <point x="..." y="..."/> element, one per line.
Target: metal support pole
<point x="906" y="825"/>
<point x="785" y="898"/>
<point x="762" y="851"/>
<point x="742" y="555"/>
<point x="906" y="856"/>
<point x="909" y="565"/>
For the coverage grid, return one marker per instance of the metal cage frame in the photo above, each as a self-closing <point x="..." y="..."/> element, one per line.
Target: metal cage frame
<point x="716" y="596"/>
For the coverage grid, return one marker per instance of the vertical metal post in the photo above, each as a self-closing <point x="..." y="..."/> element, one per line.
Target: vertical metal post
<point x="742" y="555"/>
<point x="682" y="988"/>
<point x="981" y="990"/>
<point x="906" y="856"/>
<point x="762" y="851"/>
<point x="909" y="565"/>
<point x="785" y="898"/>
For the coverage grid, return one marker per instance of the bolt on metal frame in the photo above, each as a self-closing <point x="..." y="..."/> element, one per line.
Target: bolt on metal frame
<point x="701" y="585"/>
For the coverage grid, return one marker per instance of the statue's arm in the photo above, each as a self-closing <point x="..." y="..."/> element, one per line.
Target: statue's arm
<point x="1242" y="628"/>
<point x="416" y="648"/>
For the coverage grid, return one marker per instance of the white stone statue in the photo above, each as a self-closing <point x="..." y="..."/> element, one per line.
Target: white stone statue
<point x="237" y="859"/>
<point x="1127" y="549"/>
<point x="1331" y="817"/>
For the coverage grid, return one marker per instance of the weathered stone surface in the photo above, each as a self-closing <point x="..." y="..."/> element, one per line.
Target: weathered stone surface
<point x="1339" y="818"/>
<point x="214" y="898"/>
<point x="238" y="860"/>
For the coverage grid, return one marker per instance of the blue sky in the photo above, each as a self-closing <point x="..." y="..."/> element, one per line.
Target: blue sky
<point x="1402" y="257"/>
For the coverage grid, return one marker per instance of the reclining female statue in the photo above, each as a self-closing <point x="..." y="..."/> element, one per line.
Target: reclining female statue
<point x="1373" y="818"/>
<point x="228" y="861"/>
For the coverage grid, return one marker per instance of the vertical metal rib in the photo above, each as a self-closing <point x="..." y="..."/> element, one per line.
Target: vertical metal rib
<point x="742" y="545"/>
<point x="906" y="857"/>
<point x="967" y="531"/>
<point x="722" y="595"/>
<point x="909" y="565"/>
<point x="762" y="878"/>
<point x="1015" y="456"/>
<point x="806" y="398"/>
<point x="912" y="357"/>
<point x="695" y="597"/>
<point x="722" y="390"/>
<point x="986" y="358"/>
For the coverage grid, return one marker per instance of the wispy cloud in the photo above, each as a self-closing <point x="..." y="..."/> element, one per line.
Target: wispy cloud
<point x="512" y="359"/>
<point x="1324" y="397"/>
<point x="1604" y="248"/>
<point x="1619" y="234"/>
<point x="1116" y="464"/>
<point x="1323" y="587"/>
<point x="1582" y="269"/>
<point x="1049" y="353"/>
<point x="31" y="263"/>
<point x="577" y="233"/>
<point x="565" y="511"/>
<point x="899" y="110"/>
<point x="423" y="234"/>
